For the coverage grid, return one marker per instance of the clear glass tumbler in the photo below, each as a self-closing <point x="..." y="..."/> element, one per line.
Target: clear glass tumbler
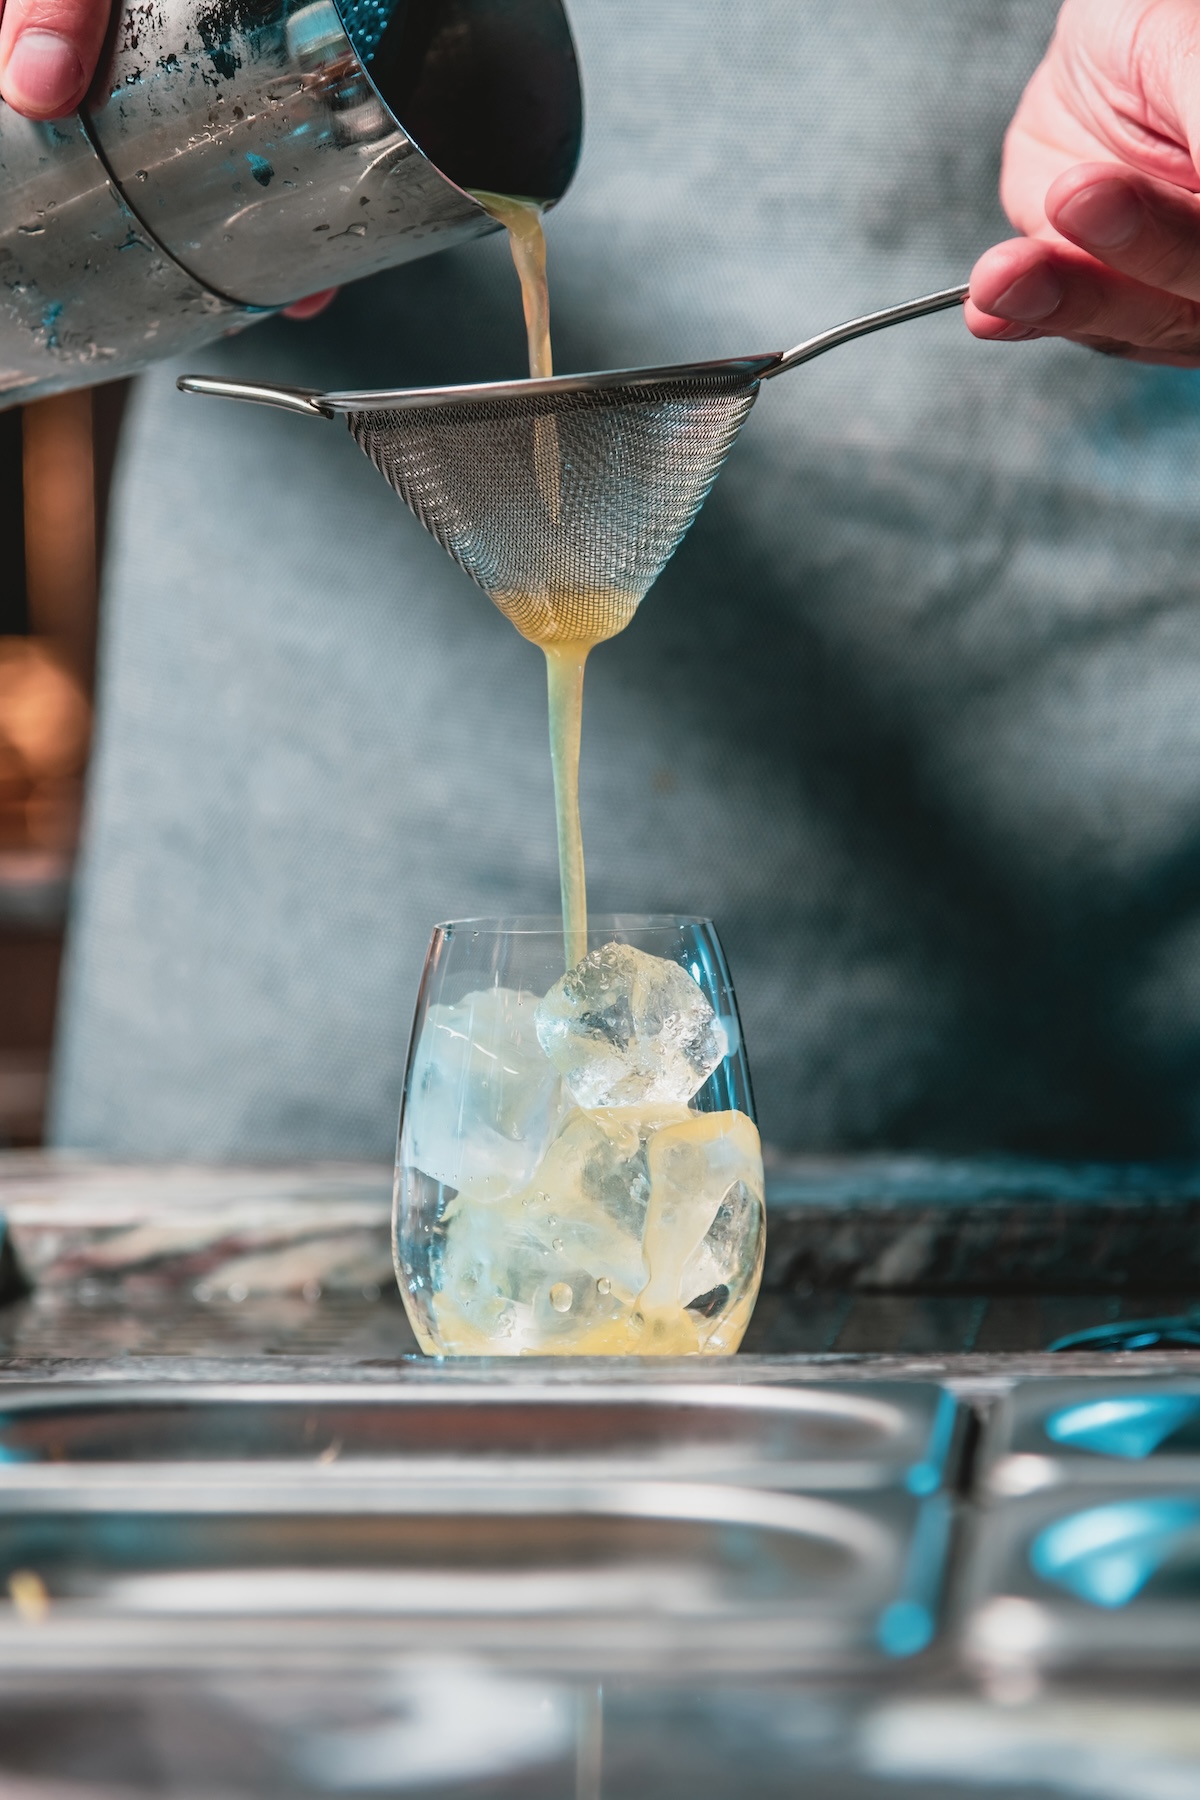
<point x="578" y="1172"/>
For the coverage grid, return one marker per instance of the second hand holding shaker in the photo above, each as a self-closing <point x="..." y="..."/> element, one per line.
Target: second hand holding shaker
<point x="232" y="159"/>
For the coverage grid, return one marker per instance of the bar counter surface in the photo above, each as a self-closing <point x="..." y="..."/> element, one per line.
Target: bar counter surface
<point x="254" y="1544"/>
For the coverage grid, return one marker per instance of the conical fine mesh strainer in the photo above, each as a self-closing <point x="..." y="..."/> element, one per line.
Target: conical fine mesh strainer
<point x="563" y="498"/>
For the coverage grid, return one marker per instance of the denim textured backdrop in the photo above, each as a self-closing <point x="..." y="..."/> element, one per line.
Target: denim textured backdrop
<point x="913" y="714"/>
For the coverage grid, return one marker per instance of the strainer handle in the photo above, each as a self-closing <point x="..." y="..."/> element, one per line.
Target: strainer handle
<point x="299" y="400"/>
<point x="877" y="321"/>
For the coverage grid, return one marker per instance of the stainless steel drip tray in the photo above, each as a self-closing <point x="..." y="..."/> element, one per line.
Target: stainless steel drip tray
<point x="1087" y="1579"/>
<point x="1139" y="1432"/>
<point x="871" y="1434"/>
<point x="603" y="1570"/>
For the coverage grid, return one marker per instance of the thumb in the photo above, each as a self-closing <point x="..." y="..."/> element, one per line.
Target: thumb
<point x="48" y="53"/>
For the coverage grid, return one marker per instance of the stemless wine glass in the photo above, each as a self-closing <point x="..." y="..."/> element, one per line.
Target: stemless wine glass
<point x="578" y="1170"/>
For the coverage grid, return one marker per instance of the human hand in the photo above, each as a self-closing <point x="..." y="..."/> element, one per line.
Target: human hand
<point x="48" y="53"/>
<point x="1101" y="174"/>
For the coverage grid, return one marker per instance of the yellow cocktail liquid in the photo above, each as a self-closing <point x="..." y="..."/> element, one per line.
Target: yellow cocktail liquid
<point x="513" y="1284"/>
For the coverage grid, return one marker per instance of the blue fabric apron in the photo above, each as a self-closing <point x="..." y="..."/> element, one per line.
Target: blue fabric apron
<point x="914" y="714"/>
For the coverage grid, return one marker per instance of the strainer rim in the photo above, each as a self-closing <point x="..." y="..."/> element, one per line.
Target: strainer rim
<point x="750" y="368"/>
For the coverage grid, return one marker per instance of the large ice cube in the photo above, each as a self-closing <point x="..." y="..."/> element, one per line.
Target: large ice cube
<point x="483" y="1102"/>
<point x="562" y="1260"/>
<point x="624" y="1029"/>
<point x="704" y="1167"/>
<point x="722" y="1276"/>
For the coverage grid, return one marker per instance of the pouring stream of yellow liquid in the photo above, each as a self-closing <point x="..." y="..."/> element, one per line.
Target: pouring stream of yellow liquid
<point x="522" y="219"/>
<point x="564" y="627"/>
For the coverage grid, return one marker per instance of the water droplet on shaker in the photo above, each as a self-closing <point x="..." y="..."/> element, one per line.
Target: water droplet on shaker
<point x="561" y="1297"/>
<point x="604" y="1285"/>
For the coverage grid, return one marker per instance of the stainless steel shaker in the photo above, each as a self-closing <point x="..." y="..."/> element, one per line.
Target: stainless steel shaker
<point x="235" y="155"/>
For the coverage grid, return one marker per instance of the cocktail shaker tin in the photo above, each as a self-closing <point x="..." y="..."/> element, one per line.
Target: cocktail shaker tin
<point x="234" y="157"/>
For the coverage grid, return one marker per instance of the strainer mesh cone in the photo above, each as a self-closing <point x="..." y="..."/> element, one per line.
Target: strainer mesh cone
<point x="564" y="507"/>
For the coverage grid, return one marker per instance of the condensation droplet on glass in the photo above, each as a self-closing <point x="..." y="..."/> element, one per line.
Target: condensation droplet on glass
<point x="556" y="1243"/>
<point x="604" y="1285"/>
<point x="561" y="1297"/>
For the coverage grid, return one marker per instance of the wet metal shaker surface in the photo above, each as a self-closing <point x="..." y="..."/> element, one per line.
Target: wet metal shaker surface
<point x="231" y="160"/>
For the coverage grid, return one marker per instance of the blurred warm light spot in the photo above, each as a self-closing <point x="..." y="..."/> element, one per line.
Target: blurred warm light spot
<point x="45" y="717"/>
<point x="44" y="725"/>
<point x="49" y="459"/>
<point x="43" y="714"/>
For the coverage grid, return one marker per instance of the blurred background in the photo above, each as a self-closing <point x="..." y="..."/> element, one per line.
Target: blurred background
<point x="56" y="460"/>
